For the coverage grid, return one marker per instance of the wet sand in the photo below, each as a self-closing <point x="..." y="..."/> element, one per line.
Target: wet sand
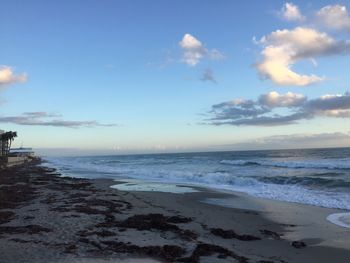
<point x="48" y="218"/>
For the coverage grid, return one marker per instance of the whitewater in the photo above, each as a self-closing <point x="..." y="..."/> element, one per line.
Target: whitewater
<point x="319" y="177"/>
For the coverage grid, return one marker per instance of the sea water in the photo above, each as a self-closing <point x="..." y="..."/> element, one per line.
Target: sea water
<point x="319" y="177"/>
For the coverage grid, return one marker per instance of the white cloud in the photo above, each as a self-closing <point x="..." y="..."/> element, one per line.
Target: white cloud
<point x="334" y="17"/>
<point x="7" y="77"/>
<point x="301" y="41"/>
<point x="194" y="51"/>
<point x="291" y="12"/>
<point x="276" y="66"/>
<point x="191" y="43"/>
<point x="283" y="48"/>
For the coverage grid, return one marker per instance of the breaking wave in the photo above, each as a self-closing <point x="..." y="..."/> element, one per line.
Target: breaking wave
<point x="340" y="164"/>
<point x="318" y="178"/>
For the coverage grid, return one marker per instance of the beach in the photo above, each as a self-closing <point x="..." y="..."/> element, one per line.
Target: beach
<point x="45" y="217"/>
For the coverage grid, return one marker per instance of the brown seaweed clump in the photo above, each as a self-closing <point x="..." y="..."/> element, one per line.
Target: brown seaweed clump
<point x="167" y="252"/>
<point x="28" y="229"/>
<point x="6" y="216"/>
<point x="203" y="250"/>
<point x="154" y="221"/>
<point x="230" y="234"/>
<point x="298" y="244"/>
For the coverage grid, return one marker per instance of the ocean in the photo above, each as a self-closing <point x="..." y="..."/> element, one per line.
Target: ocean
<point x="319" y="177"/>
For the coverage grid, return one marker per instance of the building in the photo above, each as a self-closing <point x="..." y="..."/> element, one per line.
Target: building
<point x="22" y="152"/>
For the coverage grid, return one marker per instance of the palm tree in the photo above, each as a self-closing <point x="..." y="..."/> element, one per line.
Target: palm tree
<point x="6" y="141"/>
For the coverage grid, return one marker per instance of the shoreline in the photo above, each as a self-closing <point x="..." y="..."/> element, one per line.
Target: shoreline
<point x="61" y="219"/>
<point x="300" y="221"/>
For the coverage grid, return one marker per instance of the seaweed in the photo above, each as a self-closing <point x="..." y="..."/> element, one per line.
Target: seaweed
<point x="208" y="250"/>
<point x="230" y="234"/>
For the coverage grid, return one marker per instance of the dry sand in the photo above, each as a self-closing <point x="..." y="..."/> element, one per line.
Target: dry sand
<point x="48" y="218"/>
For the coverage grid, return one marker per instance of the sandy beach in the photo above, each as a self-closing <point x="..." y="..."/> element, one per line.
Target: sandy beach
<point x="45" y="217"/>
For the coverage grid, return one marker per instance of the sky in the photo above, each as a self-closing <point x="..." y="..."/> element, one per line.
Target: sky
<point x="115" y="77"/>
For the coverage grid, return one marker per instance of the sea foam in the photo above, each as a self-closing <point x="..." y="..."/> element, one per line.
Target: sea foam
<point x="315" y="177"/>
<point x="340" y="219"/>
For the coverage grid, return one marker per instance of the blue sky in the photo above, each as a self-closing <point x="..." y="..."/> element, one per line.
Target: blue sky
<point x="143" y="76"/>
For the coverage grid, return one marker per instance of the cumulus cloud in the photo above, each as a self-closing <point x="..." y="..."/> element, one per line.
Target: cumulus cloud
<point x="330" y="105"/>
<point x="291" y="12"/>
<point x="194" y="51"/>
<point x="274" y="99"/>
<point x="264" y="111"/>
<point x="208" y="75"/>
<point x="334" y="17"/>
<point x="283" y="48"/>
<point x="47" y="119"/>
<point x="240" y="108"/>
<point x="7" y="76"/>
